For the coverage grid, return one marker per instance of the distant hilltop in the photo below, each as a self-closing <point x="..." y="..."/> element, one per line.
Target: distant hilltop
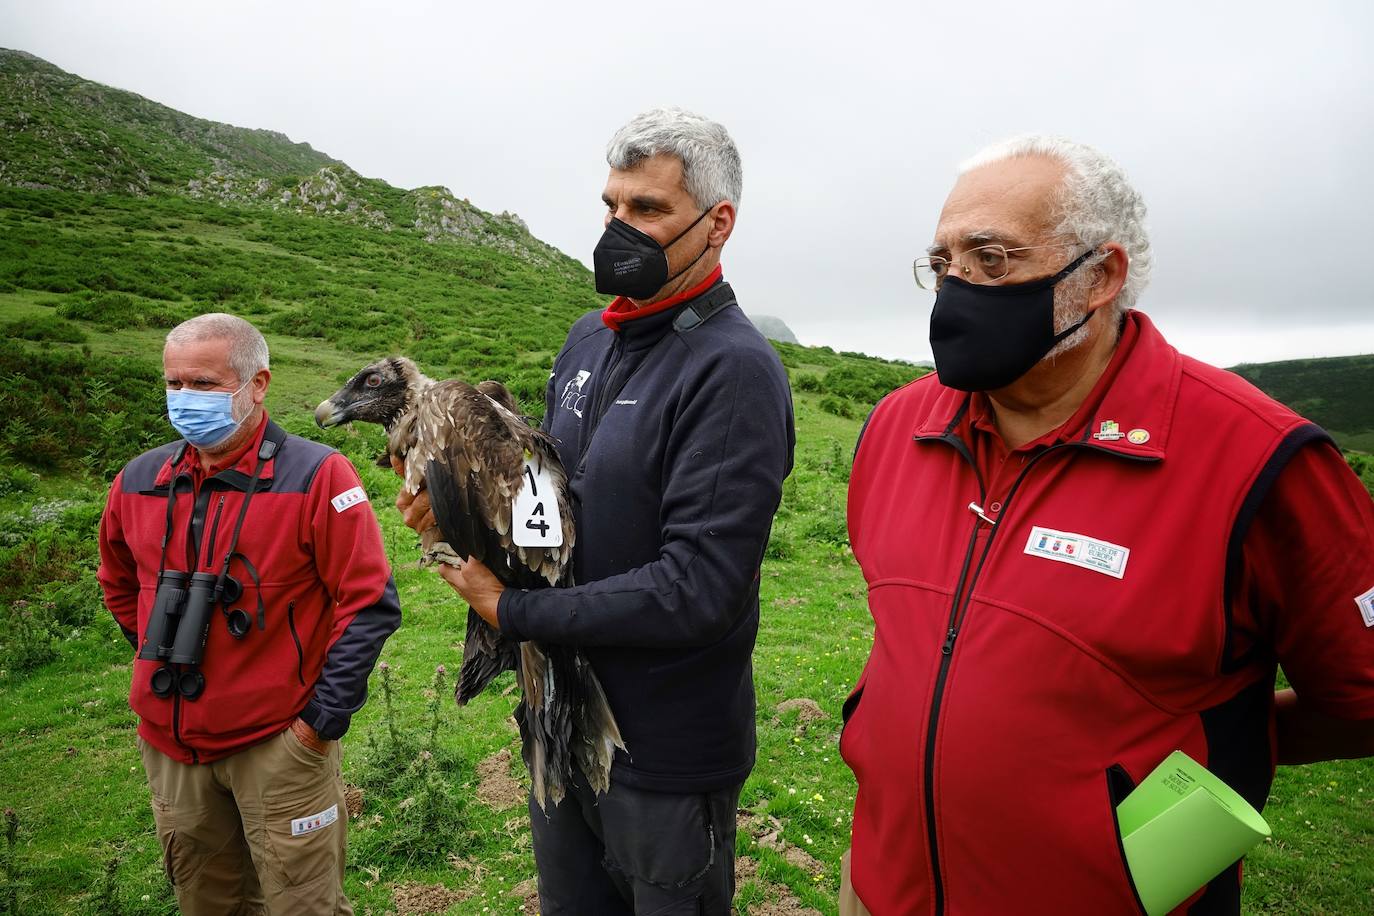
<point x="59" y="132"/>
<point x="1336" y="392"/>
<point x="774" y="328"/>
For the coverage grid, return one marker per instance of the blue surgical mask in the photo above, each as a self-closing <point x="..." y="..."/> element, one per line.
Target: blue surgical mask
<point x="204" y="418"/>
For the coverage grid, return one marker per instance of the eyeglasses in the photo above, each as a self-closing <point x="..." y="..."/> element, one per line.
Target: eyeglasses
<point x="984" y="264"/>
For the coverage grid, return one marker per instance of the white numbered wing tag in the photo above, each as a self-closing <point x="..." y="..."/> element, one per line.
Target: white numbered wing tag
<point x="534" y="517"/>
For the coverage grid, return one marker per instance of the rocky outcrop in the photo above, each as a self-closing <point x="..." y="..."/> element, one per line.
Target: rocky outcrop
<point x="773" y="328"/>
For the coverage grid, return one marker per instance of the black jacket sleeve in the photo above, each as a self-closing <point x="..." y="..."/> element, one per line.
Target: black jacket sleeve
<point x="725" y="460"/>
<point x="352" y="564"/>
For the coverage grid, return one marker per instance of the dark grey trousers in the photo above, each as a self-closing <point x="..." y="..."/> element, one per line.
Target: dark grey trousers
<point x="633" y="851"/>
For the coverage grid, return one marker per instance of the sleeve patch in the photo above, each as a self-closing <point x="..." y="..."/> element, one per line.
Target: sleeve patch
<point x="1365" y="603"/>
<point x="348" y="498"/>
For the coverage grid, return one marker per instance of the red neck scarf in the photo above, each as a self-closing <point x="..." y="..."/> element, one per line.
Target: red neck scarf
<point x="623" y="310"/>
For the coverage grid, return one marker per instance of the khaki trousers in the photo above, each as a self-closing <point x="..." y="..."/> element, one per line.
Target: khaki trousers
<point x="850" y="904"/>
<point x="261" y="832"/>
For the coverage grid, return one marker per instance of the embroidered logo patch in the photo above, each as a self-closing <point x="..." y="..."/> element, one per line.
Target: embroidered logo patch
<point x="1078" y="550"/>
<point x="348" y="498"/>
<point x="312" y="822"/>
<point x="1366" y="605"/>
<point x="573" y="398"/>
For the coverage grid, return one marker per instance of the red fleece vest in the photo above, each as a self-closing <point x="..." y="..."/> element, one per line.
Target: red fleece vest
<point x="1094" y="638"/>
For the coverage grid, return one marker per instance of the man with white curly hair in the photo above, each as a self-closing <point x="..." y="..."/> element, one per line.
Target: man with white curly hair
<point x="1084" y="551"/>
<point x="674" y="420"/>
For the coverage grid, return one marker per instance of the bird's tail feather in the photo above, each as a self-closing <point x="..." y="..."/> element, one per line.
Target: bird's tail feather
<point x="486" y="653"/>
<point x="598" y="735"/>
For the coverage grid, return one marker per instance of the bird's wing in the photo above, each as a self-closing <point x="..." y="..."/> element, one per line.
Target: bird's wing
<point x="459" y="445"/>
<point x="553" y="564"/>
<point x="475" y="448"/>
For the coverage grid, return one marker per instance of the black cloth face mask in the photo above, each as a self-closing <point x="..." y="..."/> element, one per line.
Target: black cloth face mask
<point x="630" y="263"/>
<point x="986" y="337"/>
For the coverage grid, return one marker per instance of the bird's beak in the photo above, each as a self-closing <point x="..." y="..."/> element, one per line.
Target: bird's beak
<point x="327" y="415"/>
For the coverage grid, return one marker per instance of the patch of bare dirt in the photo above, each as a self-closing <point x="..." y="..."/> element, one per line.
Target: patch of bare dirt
<point x="353" y="800"/>
<point x="767" y="831"/>
<point x="778" y="899"/>
<point x="808" y="710"/>
<point x="496" y="787"/>
<point x="802" y="859"/>
<point x="528" y="891"/>
<point x="424" y="899"/>
<point x="781" y="902"/>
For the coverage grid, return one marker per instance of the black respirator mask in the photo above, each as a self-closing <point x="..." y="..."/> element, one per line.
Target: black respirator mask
<point x="630" y="263"/>
<point x="986" y="337"/>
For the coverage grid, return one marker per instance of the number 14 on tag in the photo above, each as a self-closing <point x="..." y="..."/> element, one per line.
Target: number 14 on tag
<point x="534" y="517"/>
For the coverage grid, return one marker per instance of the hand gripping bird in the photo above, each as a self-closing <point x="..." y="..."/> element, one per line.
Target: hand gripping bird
<point x="476" y="453"/>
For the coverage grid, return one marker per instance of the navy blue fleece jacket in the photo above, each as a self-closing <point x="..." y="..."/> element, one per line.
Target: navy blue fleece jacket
<point x="676" y="444"/>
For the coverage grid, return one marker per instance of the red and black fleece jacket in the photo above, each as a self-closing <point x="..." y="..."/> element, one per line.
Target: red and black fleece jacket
<point x="318" y="574"/>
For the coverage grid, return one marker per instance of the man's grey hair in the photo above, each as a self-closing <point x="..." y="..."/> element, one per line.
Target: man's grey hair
<point x="1096" y="203"/>
<point x="247" y="346"/>
<point x="711" y="169"/>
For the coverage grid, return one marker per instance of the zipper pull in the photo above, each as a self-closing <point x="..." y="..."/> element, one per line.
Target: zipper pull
<point x="948" y="647"/>
<point x="978" y="511"/>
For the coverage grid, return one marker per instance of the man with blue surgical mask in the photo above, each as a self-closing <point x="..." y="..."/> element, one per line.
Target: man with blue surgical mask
<point x="245" y="567"/>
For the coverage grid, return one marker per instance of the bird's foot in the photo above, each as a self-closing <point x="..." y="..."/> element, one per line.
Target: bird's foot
<point x="441" y="553"/>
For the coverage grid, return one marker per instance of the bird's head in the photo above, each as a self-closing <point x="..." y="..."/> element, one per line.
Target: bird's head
<point x="379" y="393"/>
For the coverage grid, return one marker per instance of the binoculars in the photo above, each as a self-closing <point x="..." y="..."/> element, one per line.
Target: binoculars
<point x="179" y="624"/>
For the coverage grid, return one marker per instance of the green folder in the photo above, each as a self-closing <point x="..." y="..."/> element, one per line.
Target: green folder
<point x="1181" y="828"/>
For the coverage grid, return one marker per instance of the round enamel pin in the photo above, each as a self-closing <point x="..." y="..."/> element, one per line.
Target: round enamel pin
<point x="1138" y="436"/>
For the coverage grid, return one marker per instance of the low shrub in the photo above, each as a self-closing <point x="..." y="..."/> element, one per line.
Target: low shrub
<point x="69" y="409"/>
<point x="121" y="310"/>
<point x="47" y="578"/>
<point x="1363" y="465"/>
<point x="16" y="479"/>
<point x="867" y="382"/>
<point x="28" y="635"/>
<point x="840" y="407"/>
<point x="421" y="785"/>
<point x="46" y="327"/>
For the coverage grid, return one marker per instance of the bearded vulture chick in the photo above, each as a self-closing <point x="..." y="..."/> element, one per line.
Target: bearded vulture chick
<point x="474" y="451"/>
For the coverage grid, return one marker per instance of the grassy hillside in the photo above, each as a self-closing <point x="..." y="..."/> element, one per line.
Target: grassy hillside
<point x="96" y="263"/>
<point x="67" y="132"/>
<point x="1337" y="392"/>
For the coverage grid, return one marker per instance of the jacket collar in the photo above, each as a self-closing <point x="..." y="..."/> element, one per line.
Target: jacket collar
<point x="622" y="315"/>
<point x="1129" y="412"/>
<point x="236" y="473"/>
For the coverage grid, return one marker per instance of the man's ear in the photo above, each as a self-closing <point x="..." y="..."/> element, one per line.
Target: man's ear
<point x="259" y="385"/>
<point x="1111" y="276"/>
<point x="722" y="223"/>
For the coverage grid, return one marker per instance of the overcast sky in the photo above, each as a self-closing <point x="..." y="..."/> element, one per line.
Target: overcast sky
<point x="1248" y="127"/>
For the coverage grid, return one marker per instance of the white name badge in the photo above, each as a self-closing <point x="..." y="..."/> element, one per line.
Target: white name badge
<point x="1078" y="550"/>
<point x="534" y="518"/>
<point x="1366" y="605"/>
<point x="349" y="498"/>
<point x="312" y="822"/>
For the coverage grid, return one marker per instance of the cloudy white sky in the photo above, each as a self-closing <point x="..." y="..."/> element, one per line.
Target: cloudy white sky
<point x="1249" y="128"/>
